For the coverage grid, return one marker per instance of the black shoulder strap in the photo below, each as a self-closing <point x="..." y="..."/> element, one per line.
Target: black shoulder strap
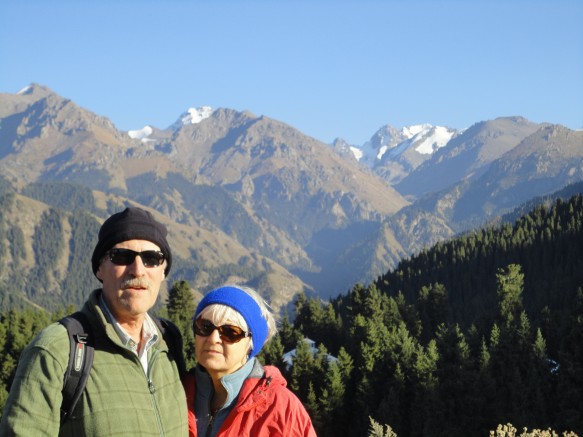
<point x="80" y="361"/>
<point x="173" y="339"/>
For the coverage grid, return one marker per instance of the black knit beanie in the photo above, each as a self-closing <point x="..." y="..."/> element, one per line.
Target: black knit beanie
<point x="131" y="224"/>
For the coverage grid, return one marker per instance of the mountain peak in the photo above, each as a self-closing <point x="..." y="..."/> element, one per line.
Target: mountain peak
<point x="34" y="91"/>
<point x="26" y="90"/>
<point x="193" y="116"/>
<point x="422" y="138"/>
<point x="416" y="129"/>
<point x="426" y="138"/>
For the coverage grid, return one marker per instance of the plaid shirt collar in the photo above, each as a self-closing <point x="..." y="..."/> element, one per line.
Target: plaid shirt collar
<point x="149" y="331"/>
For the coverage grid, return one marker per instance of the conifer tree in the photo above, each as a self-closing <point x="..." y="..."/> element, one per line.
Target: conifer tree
<point x="333" y="396"/>
<point x="302" y="370"/>
<point x="510" y="284"/>
<point x="432" y="307"/>
<point x="570" y="371"/>
<point x="313" y="407"/>
<point x="181" y="309"/>
<point x="455" y="379"/>
<point x="288" y="334"/>
<point x="425" y="385"/>
<point x="272" y="352"/>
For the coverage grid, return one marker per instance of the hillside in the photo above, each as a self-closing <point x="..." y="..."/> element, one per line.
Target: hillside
<point x="46" y="246"/>
<point x="254" y="197"/>
<point x="479" y="330"/>
<point x="240" y="180"/>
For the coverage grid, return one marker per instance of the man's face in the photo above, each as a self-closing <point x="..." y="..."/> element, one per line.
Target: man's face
<point x="130" y="290"/>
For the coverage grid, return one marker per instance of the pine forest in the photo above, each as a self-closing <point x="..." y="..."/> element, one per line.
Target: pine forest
<point x="469" y="335"/>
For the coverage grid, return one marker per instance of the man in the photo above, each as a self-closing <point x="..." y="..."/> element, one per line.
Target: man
<point x="134" y="388"/>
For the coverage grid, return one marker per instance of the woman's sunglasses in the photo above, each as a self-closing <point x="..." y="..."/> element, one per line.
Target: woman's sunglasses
<point x="125" y="257"/>
<point x="229" y="333"/>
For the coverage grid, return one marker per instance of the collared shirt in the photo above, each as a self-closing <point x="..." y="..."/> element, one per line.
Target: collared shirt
<point x="149" y="334"/>
<point x="204" y="394"/>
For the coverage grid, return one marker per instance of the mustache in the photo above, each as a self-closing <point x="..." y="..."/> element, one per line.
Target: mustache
<point x="136" y="283"/>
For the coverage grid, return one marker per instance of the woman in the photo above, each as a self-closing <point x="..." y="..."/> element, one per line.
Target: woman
<point x="229" y="392"/>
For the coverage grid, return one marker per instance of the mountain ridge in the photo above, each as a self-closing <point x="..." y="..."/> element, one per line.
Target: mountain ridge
<point x="312" y="209"/>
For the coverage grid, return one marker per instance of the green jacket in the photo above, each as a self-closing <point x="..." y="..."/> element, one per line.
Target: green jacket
<point x="119" y="400"/>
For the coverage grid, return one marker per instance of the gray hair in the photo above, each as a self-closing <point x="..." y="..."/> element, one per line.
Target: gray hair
<point x="220" y="313"/>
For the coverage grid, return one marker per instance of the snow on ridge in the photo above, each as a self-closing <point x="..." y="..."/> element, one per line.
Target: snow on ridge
<point x="437" y="138"/>
<point x="416" y="129"/>
<point x="401" y="147"/>
<point x="141" y="134"/>
<point x="424" y="139"/>
<point x="356" y="152"/>
<point x="382" y="151"/>
<point x="196" y="115"/>
<point x="413" y="133"/>
<point x="24" y="90"/>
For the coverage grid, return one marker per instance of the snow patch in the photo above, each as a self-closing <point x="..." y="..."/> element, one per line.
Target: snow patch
<point x="382" y="151"/>
<point x="358" y="154"/>
<point x="26" y="90"/>
<point x="416" y="129"/>
<point x="196" y="115"/>
<point x="437" y="138"/>
<point x="141" y="134"/>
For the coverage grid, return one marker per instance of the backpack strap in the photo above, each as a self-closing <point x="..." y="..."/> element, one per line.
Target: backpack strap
<point x="80" y="361"/>
<point x="173" y="339"/>
<point x="82" y="350"/>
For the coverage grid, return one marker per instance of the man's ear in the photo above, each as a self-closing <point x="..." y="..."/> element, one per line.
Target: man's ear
<point x="98" y="274"/>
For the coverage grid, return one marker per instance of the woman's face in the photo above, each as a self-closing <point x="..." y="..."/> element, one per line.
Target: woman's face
<point x="219" y="356"/>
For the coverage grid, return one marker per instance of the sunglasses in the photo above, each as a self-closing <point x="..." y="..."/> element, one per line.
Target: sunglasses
<point x="125" y="257"/>
<point x="229" y="333"/>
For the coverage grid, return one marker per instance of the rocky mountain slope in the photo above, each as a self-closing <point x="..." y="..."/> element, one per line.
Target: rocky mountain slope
<point x="251" y="199"/>
<point x="233" y="177"/>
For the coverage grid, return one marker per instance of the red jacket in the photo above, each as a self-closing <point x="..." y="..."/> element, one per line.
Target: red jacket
<point x="265" y="408"/>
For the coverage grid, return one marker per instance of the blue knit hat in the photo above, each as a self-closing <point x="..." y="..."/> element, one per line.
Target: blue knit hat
<point x="240" y="301"/>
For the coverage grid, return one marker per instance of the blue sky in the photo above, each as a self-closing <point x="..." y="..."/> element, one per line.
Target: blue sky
<point x="340" y="68"/>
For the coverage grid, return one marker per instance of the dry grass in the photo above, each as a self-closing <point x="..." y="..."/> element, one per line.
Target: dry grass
<point x="509" y="430"/>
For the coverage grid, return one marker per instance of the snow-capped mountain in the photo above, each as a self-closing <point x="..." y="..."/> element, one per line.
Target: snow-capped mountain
<point x="252" y="197"/>
<point x="389" y="142"/>
<point x="393" y="153"/>
<point x="190" y="116"/>
<point x="371" y="152"/>
<point x="424" y="139"/>
<point x="193" y="116"/>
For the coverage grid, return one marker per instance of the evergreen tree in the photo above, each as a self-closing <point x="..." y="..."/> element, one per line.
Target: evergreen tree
<point x="424" y="405"/>
<point x="332" y="401"/>
<point x="432" y="307"/>
<point x="181" y="310"/>
<point x="570" y="372"/>
<point x="538" y="383"/>
<point x="272" y="352"/>
<point x="510" y="284"/>
<point x="456" y="404"/>
<point x="313" y="407"/>
<point x="288" y="334"/>
<point x="302" y="370"/>
<point x="17" y="329"/>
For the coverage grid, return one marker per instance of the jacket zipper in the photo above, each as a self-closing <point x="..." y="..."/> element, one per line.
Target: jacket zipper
<point x="210" y="425"/>
<point x="152" y="390"/>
